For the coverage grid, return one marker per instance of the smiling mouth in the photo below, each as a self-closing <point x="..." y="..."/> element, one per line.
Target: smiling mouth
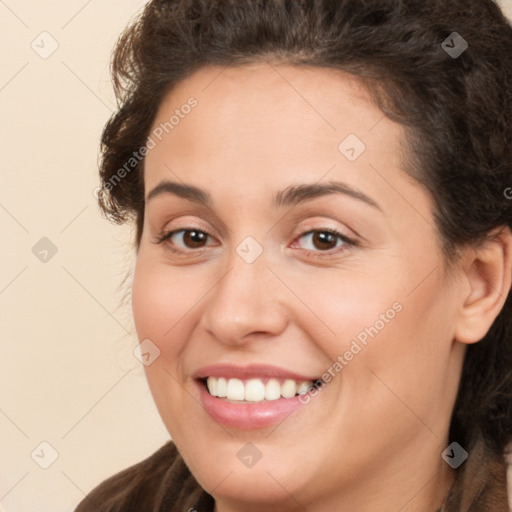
<point x="255" y="390"/>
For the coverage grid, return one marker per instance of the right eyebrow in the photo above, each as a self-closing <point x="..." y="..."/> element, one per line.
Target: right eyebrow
<point x="189" y="192"/>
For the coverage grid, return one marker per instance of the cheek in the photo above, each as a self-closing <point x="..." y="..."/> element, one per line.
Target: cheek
<point x="408" y="357"/>
<point x="161" y="304"/>
<point x="161" y="307"/>
<point x="343" y="306"/>
<point x="384" y="322"/>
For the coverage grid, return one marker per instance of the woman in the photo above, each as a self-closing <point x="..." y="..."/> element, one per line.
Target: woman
<point x="322" y="196"/>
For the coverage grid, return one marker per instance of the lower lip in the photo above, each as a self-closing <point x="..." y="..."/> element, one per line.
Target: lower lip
<point x="250" y="415"/>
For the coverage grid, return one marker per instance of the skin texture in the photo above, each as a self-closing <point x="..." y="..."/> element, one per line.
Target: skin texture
<point x="372" y="439"/>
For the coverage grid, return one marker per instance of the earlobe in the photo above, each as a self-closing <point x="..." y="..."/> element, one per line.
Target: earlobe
<point x="488" y="271"/>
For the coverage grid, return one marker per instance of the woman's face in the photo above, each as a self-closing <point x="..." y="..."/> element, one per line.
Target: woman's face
<point x="273" y="286"/>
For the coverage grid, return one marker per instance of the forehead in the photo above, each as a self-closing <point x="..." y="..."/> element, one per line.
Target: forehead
<point x="267" y="122"/>
<point x="256" y="94"/>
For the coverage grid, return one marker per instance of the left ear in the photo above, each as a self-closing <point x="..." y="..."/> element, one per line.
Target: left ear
<point x="488" y="270"/>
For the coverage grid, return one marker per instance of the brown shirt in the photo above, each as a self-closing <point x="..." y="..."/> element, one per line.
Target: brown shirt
<point x="163" y="483"/>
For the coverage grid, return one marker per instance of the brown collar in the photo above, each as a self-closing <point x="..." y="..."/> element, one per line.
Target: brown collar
<point x="480" y="484"/>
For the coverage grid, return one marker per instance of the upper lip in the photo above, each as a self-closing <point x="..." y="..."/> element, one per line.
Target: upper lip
<point x="251" y="371"/>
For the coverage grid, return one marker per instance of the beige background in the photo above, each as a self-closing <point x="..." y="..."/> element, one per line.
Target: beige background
<point x="68" y="376"/>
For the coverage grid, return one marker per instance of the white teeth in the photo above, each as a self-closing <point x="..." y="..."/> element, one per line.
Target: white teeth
<point x="289" y="388"/>
<point x="211" y="382"/>
<point x="303" y="387"/>
<point x="272" y="390"/>
<point x="255" y="390"/>
<point x="236" y="389"/>
<point x="222" y="387"/>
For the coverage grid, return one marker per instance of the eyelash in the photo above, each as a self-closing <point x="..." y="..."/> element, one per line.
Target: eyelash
<point x="162" y="237"/>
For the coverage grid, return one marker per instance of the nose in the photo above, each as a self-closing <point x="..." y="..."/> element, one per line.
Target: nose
<point x="246" y="303"/>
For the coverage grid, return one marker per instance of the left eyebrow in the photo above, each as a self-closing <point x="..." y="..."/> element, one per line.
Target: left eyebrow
<point x="297" y="194"/>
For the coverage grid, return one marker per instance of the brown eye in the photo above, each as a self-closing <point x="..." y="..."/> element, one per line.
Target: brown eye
<point x="322" y="240"/>
<point x="181" y="240"/>
<point x="193" y="238"/>
<point x="326" y="241"/>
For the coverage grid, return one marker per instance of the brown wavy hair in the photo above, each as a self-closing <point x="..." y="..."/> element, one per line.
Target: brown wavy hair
<point x="457" y="113"/>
